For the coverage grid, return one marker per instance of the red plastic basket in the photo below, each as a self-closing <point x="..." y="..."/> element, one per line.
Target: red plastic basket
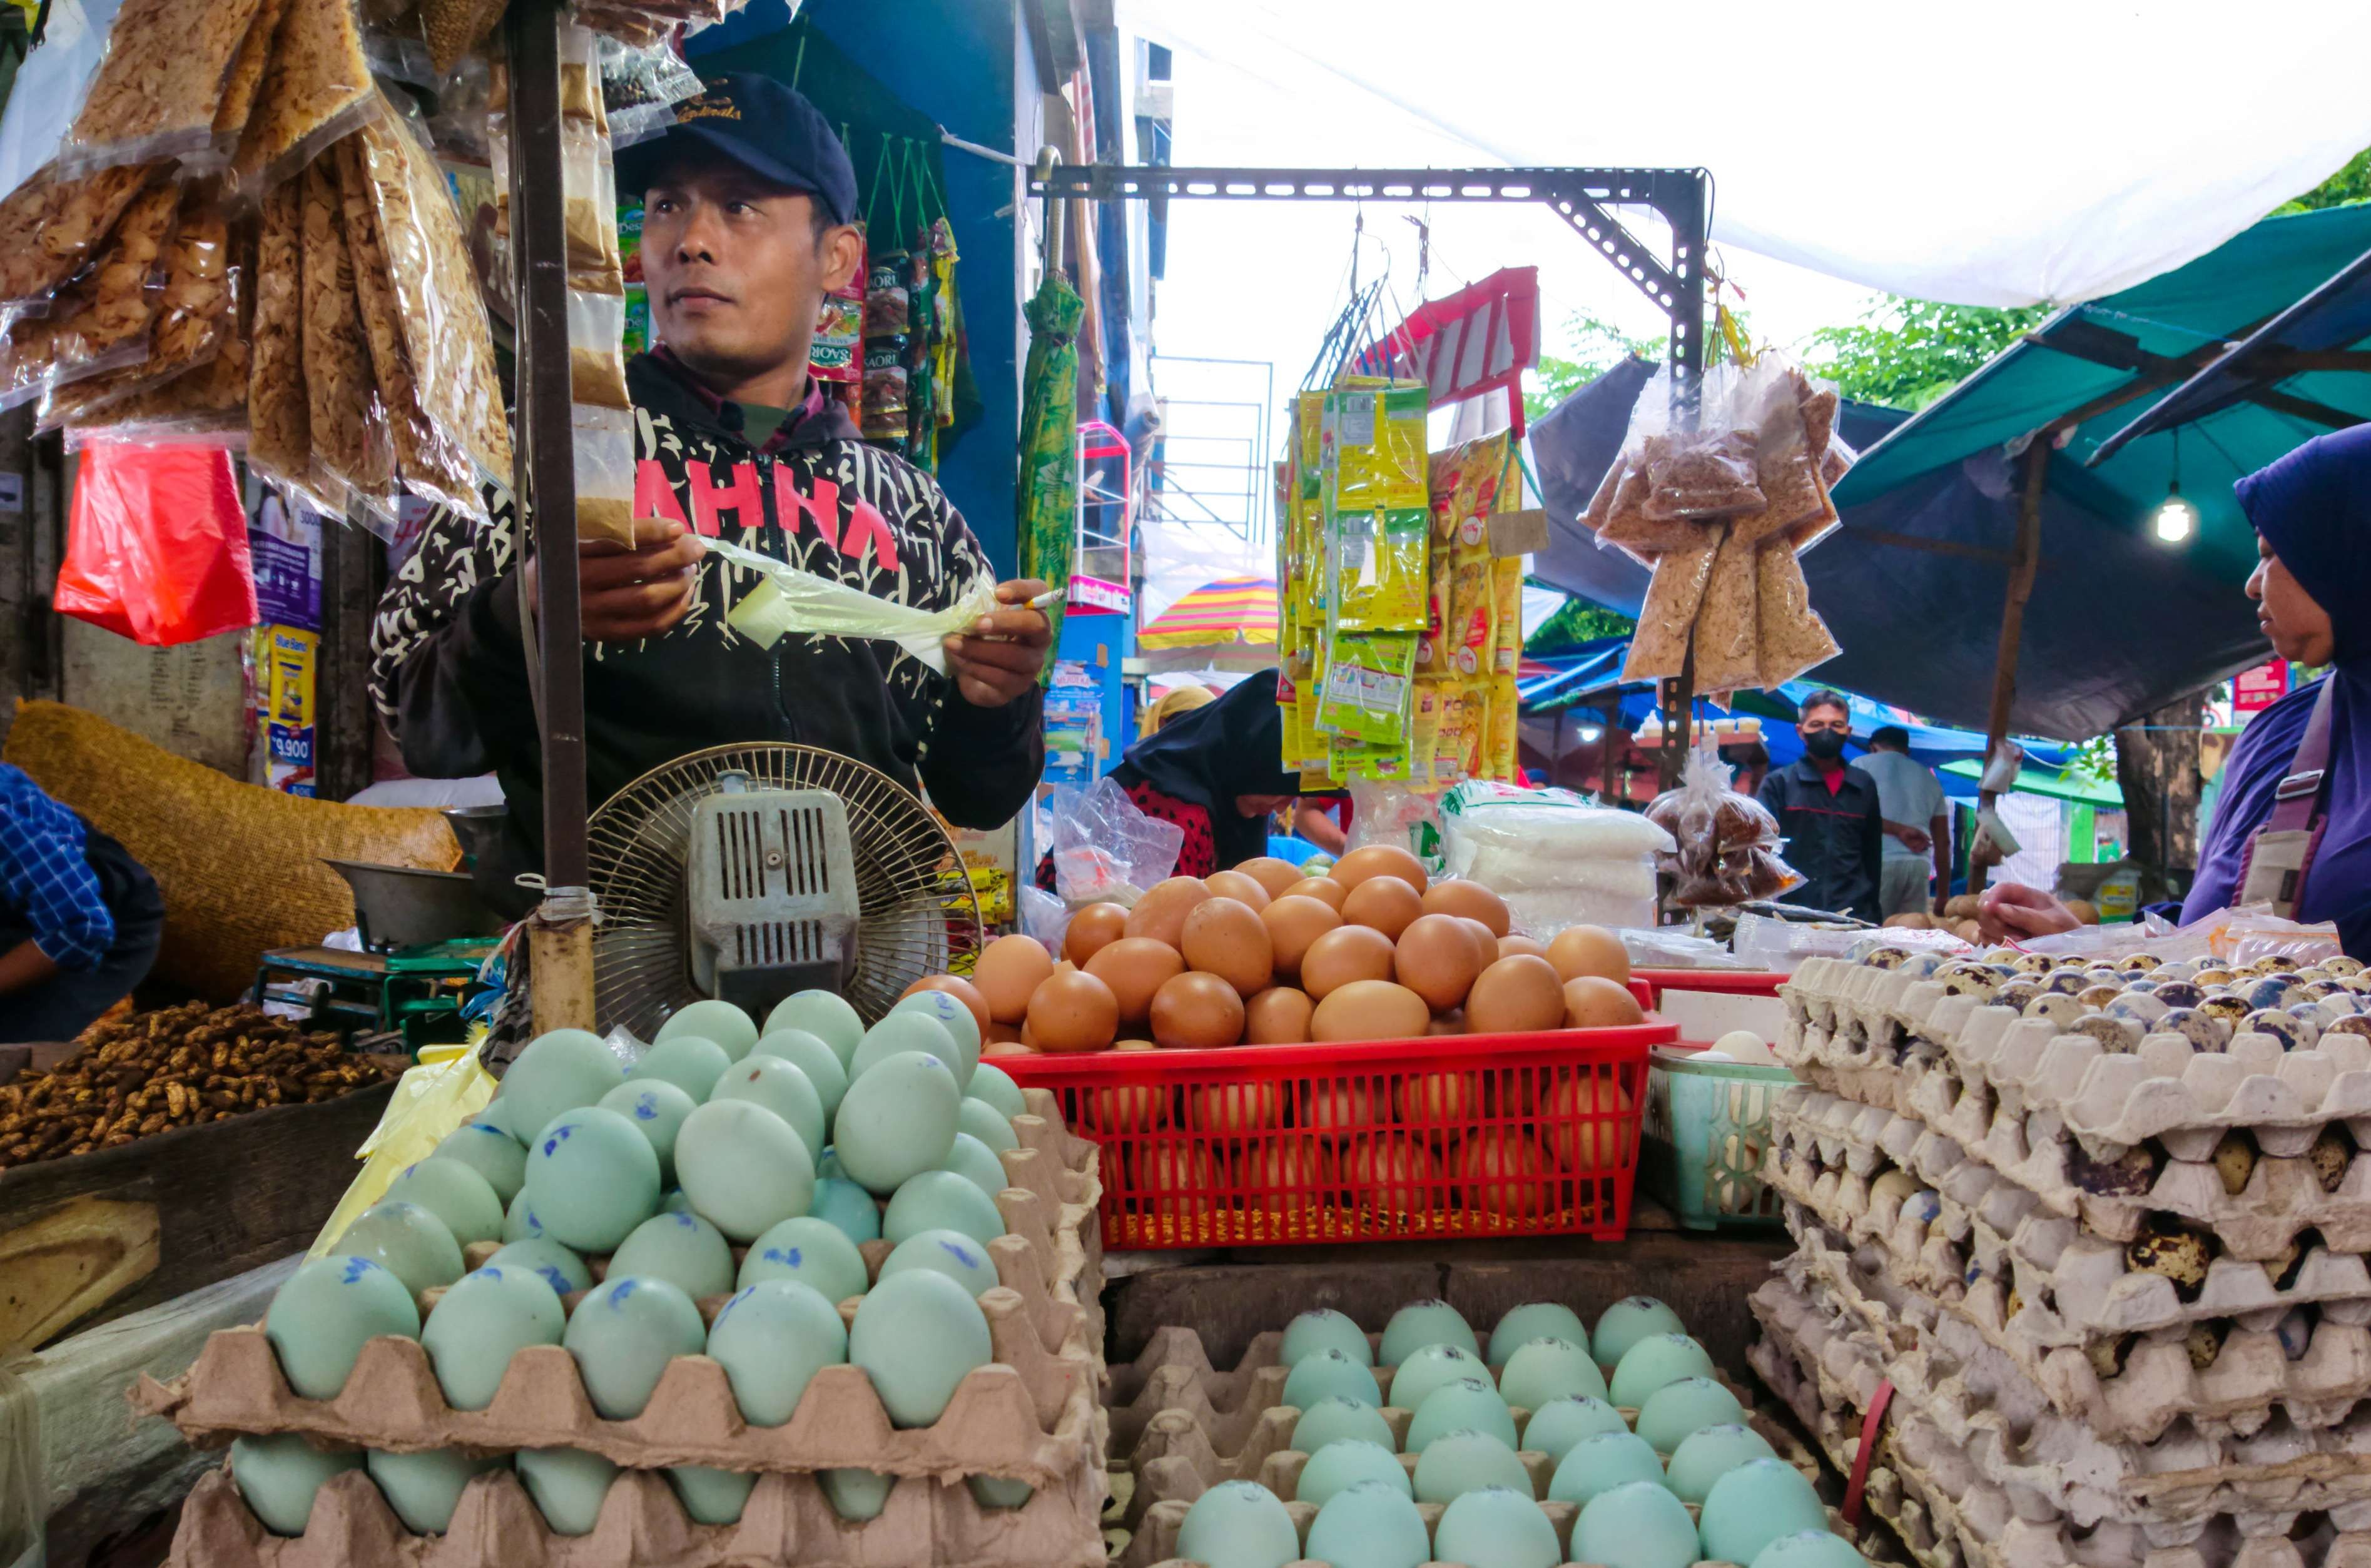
<point x="1727" y="982"/>
<point x="1390" y="1140"/>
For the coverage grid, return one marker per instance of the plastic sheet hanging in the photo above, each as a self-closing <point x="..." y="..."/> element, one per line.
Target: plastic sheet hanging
<point x="787" y="599"/>
<point x="447" y="1088"/>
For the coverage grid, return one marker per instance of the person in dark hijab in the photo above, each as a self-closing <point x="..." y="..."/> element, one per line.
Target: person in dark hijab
<point x="1217" y="772"/>
<point x="2306" y="849"/>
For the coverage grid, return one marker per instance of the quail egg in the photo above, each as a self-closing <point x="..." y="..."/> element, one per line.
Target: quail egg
<point x="1921" y="965"/>
<point x="2294" y="1033"/>
<point x="2180" y="993"/>
<point x="2140" y="961"/>
<point x="2225" y="1008"/>
<point x="2115" y="1034"/>
<point x="2235" y="1161"/>
<point x="2179" y="1255"/>
<point x="2127" y="1175"/>
<point x="2065" y="982"/>
<point x="2017" y="993"/>
<point x="2202" y="1030"/>
<point x="2342" y="965"/>
<point x="1968" y="980"/>
<point x="2099" y="996"/>
<point x="2035" y="964"/>
<point x="2289" y="1261"/>
<point x="2214" y="975"/>
<point x="2273" y="991"/>
<point x="2276" y="963"/>
<point x="2058" y="1006"/>
<point x="1885" y="957"/>
<point x="2330" y="1156"/>
<point x="2108" y="1356"/>
<point x="2321" y="991"/>
<point x="2204" y="1342"/>
<point x="2357" y="1025"/>
<point x="2140" y="1006"/>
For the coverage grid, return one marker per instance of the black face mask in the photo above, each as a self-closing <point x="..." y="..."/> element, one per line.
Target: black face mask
<point x="1825" y="744"/>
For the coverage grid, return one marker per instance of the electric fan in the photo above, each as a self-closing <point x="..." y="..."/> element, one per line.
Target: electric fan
<point x="748" y="873"/>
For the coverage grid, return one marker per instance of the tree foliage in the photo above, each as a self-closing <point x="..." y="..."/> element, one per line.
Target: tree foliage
<point x="1576" y="621"/>
<point x="1595" y="347"/>
<point x="1904" y="353"/>
<point x="2351" y="183"/>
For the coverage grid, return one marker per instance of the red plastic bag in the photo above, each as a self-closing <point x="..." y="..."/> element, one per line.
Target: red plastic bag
<point x="157" y="545"/>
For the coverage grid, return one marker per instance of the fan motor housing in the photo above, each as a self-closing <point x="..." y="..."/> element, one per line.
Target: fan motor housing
<point x="771" y="894"/>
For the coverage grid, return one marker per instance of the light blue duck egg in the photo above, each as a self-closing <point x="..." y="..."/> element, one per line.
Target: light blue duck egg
<point x="1327" y="1375"/>
<point x="1370" y="1524"/>
<point x="657" y="1109"/>
<point x="1470" y="1404"/>
<point x="1497" y="1527"/>
<point x="1334" y="1421"/>
<point x="1708" y="1453"/>
<point x="1535" y="1319"/>
<point x="1322" y="1327"/>
<point x="1556" y="1425"/>
<point x="1459" y="1462"/>
<point x="1343" y="1464"/>
<point x="1598" y="1464"/>
<point x="1640" y="1525"/>
<point x="813" y="1251"/>
<point x="1238" y="1523"/>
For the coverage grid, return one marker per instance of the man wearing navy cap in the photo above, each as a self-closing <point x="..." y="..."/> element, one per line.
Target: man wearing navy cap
<point x="748" y="221"/>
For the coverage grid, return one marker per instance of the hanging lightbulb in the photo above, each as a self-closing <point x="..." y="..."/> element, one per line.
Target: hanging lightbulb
<point x="2175" y="519"/>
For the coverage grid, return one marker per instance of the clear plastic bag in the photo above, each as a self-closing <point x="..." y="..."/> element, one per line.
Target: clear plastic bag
<point x="1659" y="647"/>
<point x="158" y="88"/>
<point x="1104" y="848"/>
<point x="316" y="89"/>
<point x="787" y="599"/>
<point x="604" y="451"/>
<point x="102" y="323"/>
<point x="280" y="440"/>
<point x="352" y="449"/>
<point x="1725" y="845"/>
<point x="597" y="352"/>
<point x="640" y="85"/>
<point x="196" y="312"/>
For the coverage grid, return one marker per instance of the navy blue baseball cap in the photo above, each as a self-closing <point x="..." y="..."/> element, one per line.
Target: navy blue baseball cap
<point x="767" y="127"/>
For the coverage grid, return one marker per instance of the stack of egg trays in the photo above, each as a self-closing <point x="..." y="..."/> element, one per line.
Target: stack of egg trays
<point x="2188" y="1469"/>
<point x="1187" y="1426"/>
<point x="1983" y="1461"/>
<point x="1032" y="1415"/>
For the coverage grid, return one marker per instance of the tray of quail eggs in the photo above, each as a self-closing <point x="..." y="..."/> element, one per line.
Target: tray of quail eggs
<point x="1559" y="1443"/>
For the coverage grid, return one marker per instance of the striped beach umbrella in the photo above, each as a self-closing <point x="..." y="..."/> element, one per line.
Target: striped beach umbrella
<point x="1233" y="610"/>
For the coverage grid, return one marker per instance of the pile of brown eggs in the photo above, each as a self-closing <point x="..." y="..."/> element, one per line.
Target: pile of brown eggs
<point x="1262" y="955"/>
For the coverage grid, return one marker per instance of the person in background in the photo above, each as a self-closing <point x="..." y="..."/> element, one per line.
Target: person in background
<point x="1217" y="772"/>
<point x="80" y="919"/>
<point x="1917" y="826"/>
<point x="1318" y="822"/>
<point x="1751" y="761"/>
<point x="1177" y="700"/>
<point x="1828" y="811"/>
<point x="2293" y="824"/>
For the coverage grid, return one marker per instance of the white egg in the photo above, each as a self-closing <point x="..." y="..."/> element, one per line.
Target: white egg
<point x="1744" y="1045"/>
<point x="772" y="1339"/>
<point x="624" y="1334"/>
<point x="743" y="1168"/>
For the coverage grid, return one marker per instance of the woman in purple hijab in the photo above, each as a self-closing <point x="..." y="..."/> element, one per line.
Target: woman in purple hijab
<point x="2311" y="512"/>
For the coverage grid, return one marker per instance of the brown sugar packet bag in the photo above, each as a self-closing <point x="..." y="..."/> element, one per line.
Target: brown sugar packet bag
<point x="1727" y="631"/>
<point x="1703" y="474"/>
<point x="442" y="313"/>
<point x="349" y="421"/>
<point x="1660" y="646"/>
<point x="317" y="88"/>
<point x="280" y="438"/>
<point x="159" y="84"/>
<point x="194" y="314"/>
<point x="1630" y="528"/>
<point x="1791" y="635"/>
<point x="50" y="226"/>
<point x="1784" y="460"/>
<point x="102" y="322"/>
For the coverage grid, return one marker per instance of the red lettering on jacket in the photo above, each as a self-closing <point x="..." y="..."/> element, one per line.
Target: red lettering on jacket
<point x="710" y="500"/>
<point x="822" y="509"/>
<point x="867" y="529"/>
<point x="653" y="496"/>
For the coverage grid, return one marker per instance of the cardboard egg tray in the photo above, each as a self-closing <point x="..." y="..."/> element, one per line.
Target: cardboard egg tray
<point x="1918" y="1484"/>
<point x="788" y="1519"/>
<point x="2079" y="1285"/>
<point x="1222" y="1426"/>
<point x="1028" y="1417"/>
<point x="1153" y="1544"/>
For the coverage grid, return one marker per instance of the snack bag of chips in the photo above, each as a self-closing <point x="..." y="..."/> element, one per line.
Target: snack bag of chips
<point x="1369" y="686"/>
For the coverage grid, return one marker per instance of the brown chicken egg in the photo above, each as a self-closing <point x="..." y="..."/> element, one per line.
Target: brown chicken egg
<point x="1005" y="1048"/>
<point x="1501" y="1172"/>
<point x="1242" y="889"/>
<point x="1226" y="938"/>
<point x="1293" y="922"/>
<point x="1135" y="967"/>
<point x="1510" y="945"/>
<point x="1385" y="903"/>
<point x="955" y="985"/>
<point x="1432" y="1100"/>
<point x="1292" y="1172"/>
<point x="1197" y="1013"/>
<point x="1236" y="1107"/>
<point x="1132" y="1108"/>
<point x="1370" y="1009"/>
<point x="1092" y="929"/>
<point x="1588" y="950"/>
<point x="1451" y="1023"/>
<point x="1161" y="913"/>
<point x="1588" y="1127"/>
<point x="1593" y="1002"/>
<point x="1436" y="959"/>
<point x="1001" y="1032"/>
<point x="1072" y="1011"/>
<point x="1515" y="995"/>
<point x="1470" y="899"/>
<point x="1325" y="890"/>
<point x="1344" y="1105"/>
<point x="1277" y="1016"/>
<point x="1344" y="954"/>
<point x="1271" y="873"/>
<point x="1391" y="1173"/>
<point x="1010" y="968"/>
<point x="1379" y="861"/>
<point x="1176" y="1176"/>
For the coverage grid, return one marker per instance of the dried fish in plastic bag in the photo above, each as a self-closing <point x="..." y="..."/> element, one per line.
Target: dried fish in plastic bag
<point x="280" y="438"/>
<point x="159" y="84"/>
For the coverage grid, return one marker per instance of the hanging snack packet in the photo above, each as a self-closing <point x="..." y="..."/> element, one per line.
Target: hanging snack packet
<point x="1629" y="525"/>
<point x="1424" y="732"/>
<point x="1447" y="762"/>
<point x="1502" y="729"/>
<point x="1373" y="446"/>
<point x="1467" y="628"/>
<point x="1726" y="629"/>
<point x="1505" y="614"/>
<point x="1367" y="686"/>
<point x="244" y="86"/>
<point x="1660" y="646"/>
<point x="317" y="88"/>
<point x="350" y="445"/>
<point x="1790" y="638"/>
<point x="102" y="322"/>
<point x="838" y="354"/>
<point x="1375" y="568"/>
<point x="195" y="312"/>
<point x="280" y="439"/>
<point x="158" y="85"/>
<point x="50" y="226"/>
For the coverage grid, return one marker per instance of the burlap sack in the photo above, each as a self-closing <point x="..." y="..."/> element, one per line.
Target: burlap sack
<point x="240" y="865"/>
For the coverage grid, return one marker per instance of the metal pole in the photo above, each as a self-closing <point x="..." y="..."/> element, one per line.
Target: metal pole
<point x="2025" y="558"/>
<point x="1612" y="784"/>
<point x="561" y="939"/>
<point x="1683" y="209"/>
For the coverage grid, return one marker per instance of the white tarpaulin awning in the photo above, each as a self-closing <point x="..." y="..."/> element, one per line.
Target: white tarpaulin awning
<point x="2023" y="151"/>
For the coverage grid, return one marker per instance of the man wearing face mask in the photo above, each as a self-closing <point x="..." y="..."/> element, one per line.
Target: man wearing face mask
<point x="1828" y="811"/>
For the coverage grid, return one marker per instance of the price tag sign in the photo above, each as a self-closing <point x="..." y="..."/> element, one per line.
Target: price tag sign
<point x="2254" y="690"/>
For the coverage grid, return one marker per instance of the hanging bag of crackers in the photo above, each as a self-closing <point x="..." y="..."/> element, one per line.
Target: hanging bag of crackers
<point x="1722" y="482"/>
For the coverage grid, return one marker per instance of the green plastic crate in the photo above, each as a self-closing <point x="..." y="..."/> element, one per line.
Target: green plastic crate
<point x="1708" y="1128"/>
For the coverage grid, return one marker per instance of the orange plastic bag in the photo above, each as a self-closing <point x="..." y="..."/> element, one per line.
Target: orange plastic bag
<point x="157" y="545"/>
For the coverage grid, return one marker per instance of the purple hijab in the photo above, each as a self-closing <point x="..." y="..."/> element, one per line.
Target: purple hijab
<point x="2313" y="508"/>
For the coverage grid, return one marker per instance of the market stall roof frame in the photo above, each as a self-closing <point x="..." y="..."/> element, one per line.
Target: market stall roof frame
<point x="1583" y="197"/>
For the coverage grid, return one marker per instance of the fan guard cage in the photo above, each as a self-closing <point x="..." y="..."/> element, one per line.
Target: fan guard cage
<point x="919" y="913"/>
